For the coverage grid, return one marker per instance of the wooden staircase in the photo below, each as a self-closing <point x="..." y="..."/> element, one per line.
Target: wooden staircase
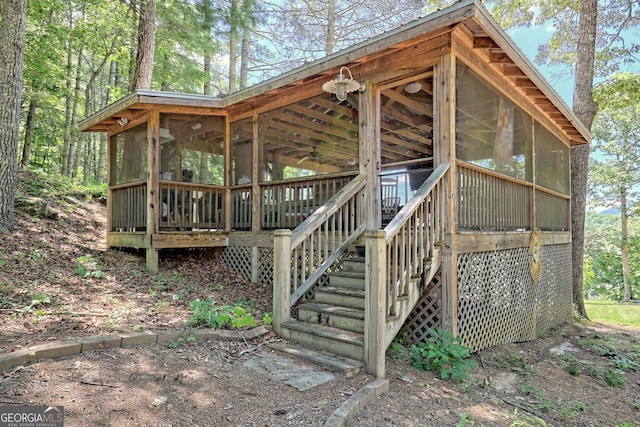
<point x="333" y="324"/>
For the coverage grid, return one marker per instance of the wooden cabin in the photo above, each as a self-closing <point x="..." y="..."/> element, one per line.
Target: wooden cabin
<point x="432" y="190"/>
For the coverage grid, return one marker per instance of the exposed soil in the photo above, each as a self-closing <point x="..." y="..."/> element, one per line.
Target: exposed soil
<point x="577" y="375"/>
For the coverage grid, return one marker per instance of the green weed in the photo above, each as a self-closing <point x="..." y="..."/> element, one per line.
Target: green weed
<point x="444" y="353"/>
<point x="206" y="313"/>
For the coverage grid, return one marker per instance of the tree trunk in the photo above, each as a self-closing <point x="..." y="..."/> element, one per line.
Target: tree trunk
<point x="585" y="108"/>
<point x="244" y="60"/>
<point x="233" y="45"/>
<point x="12" y="33"/>
<point x="331" y="27"/>
<point x="143" y="72"/>
<point x="626" y="270"/>
<point x="28" y="133"/>
<point x="66" y="145"/>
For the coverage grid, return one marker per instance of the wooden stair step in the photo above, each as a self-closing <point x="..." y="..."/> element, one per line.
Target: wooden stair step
<point x="347" y="279"/>
<point x="356" y="264"/>
<point x="351" y="319"/>
<point x="343" y="365"/>
<point x="354" y="313"/>
<point x="345" y="297"/>
<point x="337" y="341"/>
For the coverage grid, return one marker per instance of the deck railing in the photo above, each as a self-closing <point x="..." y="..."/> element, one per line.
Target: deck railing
<point x="129" y="206"/>
<point x="303" y="255"/>
<point x="488" y="201"/>
<point x="287" y="203"/>
<point x="189" y="206"/>
<point x="241" y="207"/>
<point x="552" y="210"/>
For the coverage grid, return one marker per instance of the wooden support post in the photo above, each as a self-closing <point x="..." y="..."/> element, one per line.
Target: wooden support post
<point x="256" y="200"/>
<point x="369" y="153"/>
<point x="375" y="319"/>
<point x="281" y="278"/>
<point x="445" y="151"/>
<point x="153" y="188"/>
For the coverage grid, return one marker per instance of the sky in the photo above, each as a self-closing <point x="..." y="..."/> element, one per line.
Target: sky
<point x="561" y="79"/>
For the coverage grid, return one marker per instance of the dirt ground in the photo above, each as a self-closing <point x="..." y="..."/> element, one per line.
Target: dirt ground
<point x="576" y="375"/>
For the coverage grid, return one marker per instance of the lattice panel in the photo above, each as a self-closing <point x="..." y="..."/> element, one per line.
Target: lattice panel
<point x="238" y="258"/>
<point x="499" y="303"/>
<point x="553" y="293"/>
<point x="426" y="313"/>
<point x="265" y="266"/>
<point x="495" y="298"/>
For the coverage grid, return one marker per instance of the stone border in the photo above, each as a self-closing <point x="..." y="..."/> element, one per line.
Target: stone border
<point x="339" y="418"/>
<point x="357" y="402"/>
<point x="95" y="342"/>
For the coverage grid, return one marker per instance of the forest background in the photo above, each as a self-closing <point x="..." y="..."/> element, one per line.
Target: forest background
<point x="81" y="55"/>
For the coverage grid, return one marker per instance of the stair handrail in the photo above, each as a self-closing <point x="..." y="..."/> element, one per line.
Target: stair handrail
<point x="416" y="201"/>
<point x="392" y="268"/>
<point x="296" y="251"/>
<point x="324" y="212"/>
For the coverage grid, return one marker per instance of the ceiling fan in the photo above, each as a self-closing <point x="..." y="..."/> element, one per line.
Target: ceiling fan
<point x="313" y="156"/>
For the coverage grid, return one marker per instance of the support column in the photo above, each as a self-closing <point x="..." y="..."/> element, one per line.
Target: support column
<point x="281" y="278"/>
<point x="375" y="311"/>
<point x="444" y="150"/>
<point x="153" y="188"/>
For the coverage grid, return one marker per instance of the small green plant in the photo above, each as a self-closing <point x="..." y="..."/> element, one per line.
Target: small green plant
<point x="615" y="378"/>
<point x="572" y="369"/>
<point x="524" y="420"/>
<point x="444" y="353"/>
<point x="465" y="420"/>
<point x="89" y="267"/>
<point x="267" y="319"/>
<point x="398" y="351"/>
<point x="2" y="262"/>
<point x="206" y="313"/>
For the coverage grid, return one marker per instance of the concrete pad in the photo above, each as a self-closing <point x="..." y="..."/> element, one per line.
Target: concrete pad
<point x="295" y="373"/>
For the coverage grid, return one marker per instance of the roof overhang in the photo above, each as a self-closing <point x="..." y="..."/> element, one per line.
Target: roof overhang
<point x="470" y="12"/>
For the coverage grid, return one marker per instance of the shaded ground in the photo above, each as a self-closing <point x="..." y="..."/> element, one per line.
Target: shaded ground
<point x="577" y="375"/>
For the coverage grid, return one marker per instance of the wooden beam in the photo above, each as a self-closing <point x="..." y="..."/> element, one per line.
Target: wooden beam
<point x="484" y="43"/>
<point x="499" y="57"/>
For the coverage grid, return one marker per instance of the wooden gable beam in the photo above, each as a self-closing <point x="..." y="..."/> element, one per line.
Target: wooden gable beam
<point x="484" y="43"/>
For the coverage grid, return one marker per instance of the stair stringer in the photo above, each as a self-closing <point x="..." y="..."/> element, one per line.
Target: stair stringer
<point x="393" y="325"/>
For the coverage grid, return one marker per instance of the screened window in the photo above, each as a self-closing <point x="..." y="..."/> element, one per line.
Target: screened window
<point x="192" y="148"/>
<point x="552" y="161"/>
<point x="491" y="131"/>
<point x="311" y="137"/>
<point x="130" y="161"/>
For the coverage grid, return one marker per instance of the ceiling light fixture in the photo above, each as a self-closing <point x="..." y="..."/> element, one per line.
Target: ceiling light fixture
<point x="342" y="85"/>
<point x="413" y="87"/>
<point x="122" y="121"/>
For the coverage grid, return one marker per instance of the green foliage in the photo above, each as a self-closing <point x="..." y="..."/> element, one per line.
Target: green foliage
<point x="465" y="420"/>
<point x="89" y="267"/>
<point x="615" y="378"/>
<point x="206" y="313"/>
<point x="442" y="352"/>
<point x="267" y="319"/>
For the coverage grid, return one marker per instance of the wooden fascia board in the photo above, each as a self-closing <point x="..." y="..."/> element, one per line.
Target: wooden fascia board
<point x="484" y="19"/>
<point x="106" y="113"/>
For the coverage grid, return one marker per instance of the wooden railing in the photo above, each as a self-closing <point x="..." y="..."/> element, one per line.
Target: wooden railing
<point x="241" y="207"/>
<point x="129" y="206"/>
<point x="403" y="257"/>
<point x="489" y="201"/>
<point x="287" y="203"/>
<point x="552" y="210"/>
<point x="189" y="206"/>
<point x="303" y="255"/>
